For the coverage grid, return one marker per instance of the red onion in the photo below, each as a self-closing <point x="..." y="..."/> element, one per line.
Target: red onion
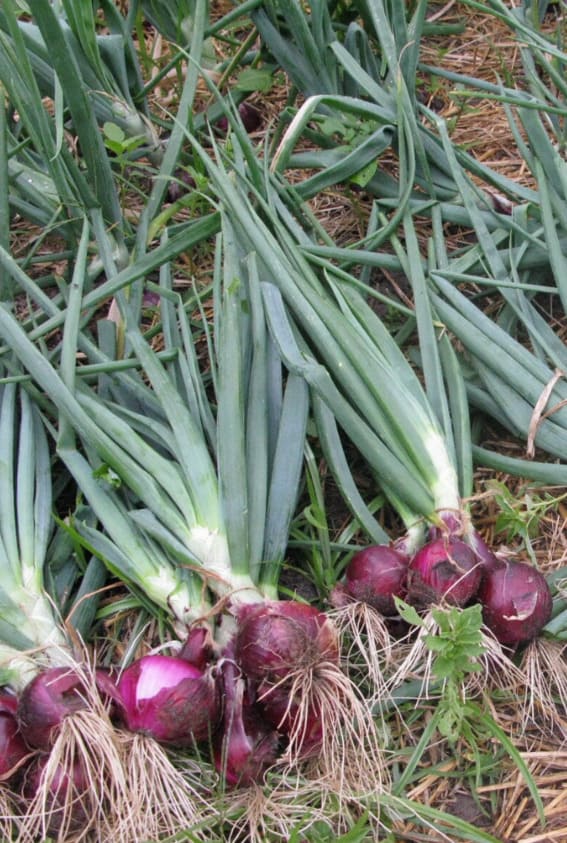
<point x="376" y="575"/>
<point x="276" y="639"/>
<point x="198" y="648"/>
<point x="246" y="745"/>
<point x="483" y="552"/>
<point x="66" y="807"/>
<point x="181" y="183"/>
<point x="516" y="602"/>
<point x="249" y="115"/>
<point x="12" y="747"/>
<point x="284" y="713"/>
<point x="169" y="699"/>
<point x="52" y="695"/>
<point x="444" y="569"/>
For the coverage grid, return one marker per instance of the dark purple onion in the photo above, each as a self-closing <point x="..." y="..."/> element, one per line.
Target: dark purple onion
<point x="279" y="638"/>
<point x="246" y="745"/>
<point x="283" y="713"/>
<point x="52" y="695"/>
<point x="181" y="183"/>
<point x="444" y="569"/>
<point x="68" y="803"/>
<point x="249" y="115"/>
<point x="12" y="747"/>
<point x="169" y="699"/>
<point x="198" y="647"/>
<point x="516" y="602"/>
<point x="376" y="575"/>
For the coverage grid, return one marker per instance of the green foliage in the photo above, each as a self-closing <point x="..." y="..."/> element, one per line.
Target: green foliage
<point x="456" y="646"/>
<point x="521" y="513"/>
<point x="255" y="79"/>
<point x="457" y="643"/>
<point x="117" y="141"/>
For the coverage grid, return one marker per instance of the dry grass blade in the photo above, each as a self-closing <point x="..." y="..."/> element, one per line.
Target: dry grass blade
<point x="545" y="688"/>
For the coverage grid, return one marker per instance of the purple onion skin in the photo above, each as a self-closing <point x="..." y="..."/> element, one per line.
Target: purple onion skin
<point x="52" y="695"/>
<point x="278" y="638"/>
<point x="488" y="558"/>
<point x="249" y="115"/>
<point x="516" y="602"/>
<point x="247" y="744"/>
<point x="169" y="699"/>
<point x="282" y="712"/>
<point x="376" y="575"/>
<point x="451" y="524"/>
<point x="13" y="749"/>
<point x="444" y="569"/>
<point x="198" y="648"/>
<point x="182" y="183"/>
<point x="68" y="797"/>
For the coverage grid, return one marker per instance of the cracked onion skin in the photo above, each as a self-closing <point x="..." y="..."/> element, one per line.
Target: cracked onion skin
<point x="444" y="569"/>
<point x="516" y="602"/>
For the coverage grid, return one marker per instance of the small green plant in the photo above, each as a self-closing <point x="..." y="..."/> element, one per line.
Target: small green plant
<point x="455" y="644"/>
<point x="521" y="513"/>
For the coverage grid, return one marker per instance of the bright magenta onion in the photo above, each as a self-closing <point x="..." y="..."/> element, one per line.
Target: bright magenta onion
<point x="516" y="602"/>
<point x="169" y="699"/>
<point x="277" y="639"/>
<point x="444" y="569"/>
<point x="376" y="575"/>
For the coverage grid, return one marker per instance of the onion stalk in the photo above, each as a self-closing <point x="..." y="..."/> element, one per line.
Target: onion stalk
<point x="415" y="439"/>
<point x="55" y="690"/>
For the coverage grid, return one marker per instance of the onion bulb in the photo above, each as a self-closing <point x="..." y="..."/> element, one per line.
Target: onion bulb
<point x="444" y="569"/>
<point x="303" y="726"/>
<point x="247" y="744"/>
<point x="12" y="746"/>
<point x="66" y="804"/>
<point x="516" y="602"/>
<point x="169" y="699"/>
<point x="278" y="639"/>
<point x="52" y="695"/>
<point x="376" y="575"/>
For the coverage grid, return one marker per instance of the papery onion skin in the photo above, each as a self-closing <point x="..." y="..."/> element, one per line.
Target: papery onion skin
<point x="276" y="639"/>
<point x="377" y="574"/>
<point x="169" y="699"/>
<point x="12" y="745"/>
<point x="52" y="695"/>
<point x="516" y="602"/>
<point x="444" y="569"/>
